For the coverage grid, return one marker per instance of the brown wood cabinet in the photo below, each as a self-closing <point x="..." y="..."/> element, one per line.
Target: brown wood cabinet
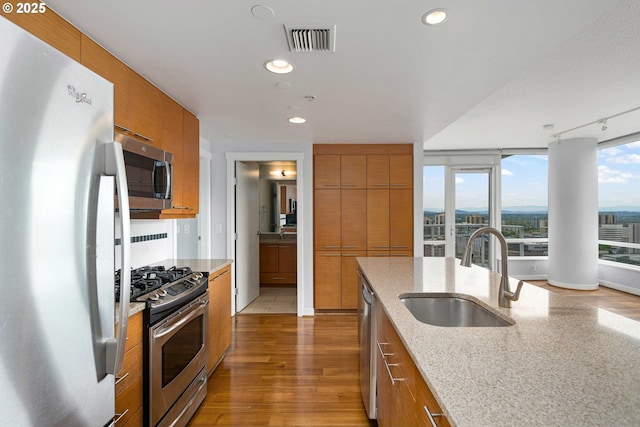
<point x="363" y="204"/>
<point x="402" y="393"/>
<point x="191" y="164"/>
<point x="278" y="263"/>
<point x="48" y="27"/>
<point x="97" y="59"/>
<point x="219" y="316"/>
<point x="145" y="109"/>
<point x="129" y="380"/>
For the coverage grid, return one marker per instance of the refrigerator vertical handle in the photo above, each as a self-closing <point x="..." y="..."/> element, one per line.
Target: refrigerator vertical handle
<point x="115" y="347"/>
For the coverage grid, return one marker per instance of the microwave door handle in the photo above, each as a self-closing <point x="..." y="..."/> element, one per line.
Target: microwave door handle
<point x="167" y="171"/>
<point x="115" y="347"/>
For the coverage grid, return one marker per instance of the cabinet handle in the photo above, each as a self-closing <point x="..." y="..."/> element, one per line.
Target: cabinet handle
<point x="381" y="247"/>
<point x="332" y="247"/>
<point x="350" y="255"/>
<point x="331" y="254"/>
<point x="382" y="353"/>
<point x="349" y="247"/>
<point x="220" y="275"/>
<point x="349" y="185"/>
<point x="393" y="380"/>
<point x="284" y="246"/>
<point x="118" y="379"/>
<point x="331" y="185"/>
<point x="398" y="185"/>
<point x="278" y="278"/>
<point x="432" y="416"/>
<point x="122" y="128"/>
<point x="380" y="255"/>
<point x="399" y="255"/>
<point x="380" y="185"/>
<point x="143" y="137"/>
<point x="272" y="246"/>
<point x="400" y="247"/>
<point x="119" y="416"/>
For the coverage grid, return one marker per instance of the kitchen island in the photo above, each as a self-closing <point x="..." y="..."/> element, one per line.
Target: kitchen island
<point x="563" y="363"/>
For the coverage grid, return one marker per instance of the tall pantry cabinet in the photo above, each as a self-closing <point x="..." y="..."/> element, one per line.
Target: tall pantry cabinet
<point x="363" y="206"/>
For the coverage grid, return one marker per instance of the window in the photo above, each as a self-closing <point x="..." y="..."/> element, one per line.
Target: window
<point x="524" y="214"/>
<point x="433" y="210"/>
<point x="619" y="203"/>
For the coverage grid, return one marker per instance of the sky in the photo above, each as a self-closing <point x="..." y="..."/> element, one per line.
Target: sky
<point x="524" y="181"/>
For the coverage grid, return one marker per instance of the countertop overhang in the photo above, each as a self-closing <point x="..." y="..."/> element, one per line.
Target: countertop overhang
<point x="563" y="363"/>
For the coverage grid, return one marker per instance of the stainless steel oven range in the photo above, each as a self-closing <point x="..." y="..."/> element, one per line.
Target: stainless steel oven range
<point x="176" y="321"/>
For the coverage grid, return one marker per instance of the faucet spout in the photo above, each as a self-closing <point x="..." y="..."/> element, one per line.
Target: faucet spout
<point x="505" y="296"/>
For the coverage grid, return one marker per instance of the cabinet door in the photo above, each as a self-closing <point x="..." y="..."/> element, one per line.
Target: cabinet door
<point x="350" y="280"/>
<point x="327" y="290"/>
<point x="269" y="257"/>
<point x="353" y="171"/>
<point x="219" y="316"/>
<point x="108" y="66"/>
<point x="287" y="258"/>
<point x="326" y="218"/>
<point x="191" y="163"/>
<point x="401" y="171"/>
<point x="145" y="109"/>
<point x="172" y="134"/>
<point x="378" y="220"/>
<point x="353" y="219"/>
<point x="48" y="27"/>
<point x="377" y="171"/>
<point x="401" y="220"/>
<point x="326" y="171"/>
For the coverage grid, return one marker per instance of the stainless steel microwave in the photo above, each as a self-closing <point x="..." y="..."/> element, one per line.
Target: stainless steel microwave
<point x="149" y="174"/>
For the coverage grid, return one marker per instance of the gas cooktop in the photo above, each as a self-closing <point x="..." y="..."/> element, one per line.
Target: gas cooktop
<point x="145" y="280"/>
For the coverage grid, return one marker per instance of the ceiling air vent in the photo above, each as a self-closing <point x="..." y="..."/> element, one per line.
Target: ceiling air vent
<point x="311" y="38"/>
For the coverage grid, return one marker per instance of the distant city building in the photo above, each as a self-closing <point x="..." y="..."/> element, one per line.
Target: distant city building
<point x="475" y="219"/>
<point x="439" y="219"/>
<point x="613" y="232"/>
<point x="535" y="222"/>
<point x="634" y="236"/>
<point x="544" y="225"/>
<point x="604" y="219"/>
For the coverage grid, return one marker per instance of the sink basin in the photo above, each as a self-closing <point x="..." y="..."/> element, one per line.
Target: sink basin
<point x="451" y="310"/>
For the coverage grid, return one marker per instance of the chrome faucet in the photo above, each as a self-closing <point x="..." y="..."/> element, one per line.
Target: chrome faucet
<point x="505" y="296"/>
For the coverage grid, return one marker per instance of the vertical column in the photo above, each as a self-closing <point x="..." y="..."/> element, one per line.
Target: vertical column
<point x="573" y="213"/>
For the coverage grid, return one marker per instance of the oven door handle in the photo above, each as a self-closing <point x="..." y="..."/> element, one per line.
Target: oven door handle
<point x="194" y="310"/>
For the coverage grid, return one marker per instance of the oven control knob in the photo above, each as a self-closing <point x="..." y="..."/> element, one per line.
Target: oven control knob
<point x="154" y="297"/>
<point x="162" y="293"/>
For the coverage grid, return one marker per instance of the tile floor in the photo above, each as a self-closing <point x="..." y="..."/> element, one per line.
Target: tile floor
<point x="273" y="300"/>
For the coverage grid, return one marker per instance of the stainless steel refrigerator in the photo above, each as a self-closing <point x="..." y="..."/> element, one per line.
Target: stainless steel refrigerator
<point x="59" y="171"/>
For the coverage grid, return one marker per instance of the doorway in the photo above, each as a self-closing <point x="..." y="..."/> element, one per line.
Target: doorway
<point x="247" y="212"/>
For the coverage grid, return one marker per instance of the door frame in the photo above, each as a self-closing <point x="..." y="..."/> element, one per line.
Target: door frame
<point x="232" y="158"/>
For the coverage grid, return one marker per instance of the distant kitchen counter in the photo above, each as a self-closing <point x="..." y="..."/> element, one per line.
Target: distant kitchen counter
<point x="207" y="266"/>
<point x="563" y="363"/>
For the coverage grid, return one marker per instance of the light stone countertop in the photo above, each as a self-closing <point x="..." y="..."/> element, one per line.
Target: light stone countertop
<point x="206" y="266"/>
<point x="563" y="363"/>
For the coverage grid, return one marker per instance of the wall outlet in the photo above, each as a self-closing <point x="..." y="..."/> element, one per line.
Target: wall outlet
<point x="218" y="228"/>
<point x="534" y="268"/>
<point x="187" y="229"/>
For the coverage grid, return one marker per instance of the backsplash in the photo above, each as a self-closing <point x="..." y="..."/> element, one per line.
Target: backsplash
<point x="151" y="241"/>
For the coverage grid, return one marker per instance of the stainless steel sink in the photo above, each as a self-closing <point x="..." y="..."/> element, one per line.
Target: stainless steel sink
<point x="451" y="310"/>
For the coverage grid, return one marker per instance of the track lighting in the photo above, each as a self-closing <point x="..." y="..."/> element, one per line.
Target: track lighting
<point x="603" y="125"/>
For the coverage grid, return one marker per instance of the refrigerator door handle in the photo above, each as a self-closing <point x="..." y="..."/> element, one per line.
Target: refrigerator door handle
<point x="115" y="346"/>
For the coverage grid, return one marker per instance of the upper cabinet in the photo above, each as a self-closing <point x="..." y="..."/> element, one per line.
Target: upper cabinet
<point x="141" y="109"/>
<point x="97" y="59"/>
<point x="48" y="27"/>
<point x="326" y="171"/>
<point x="145" y="109"/>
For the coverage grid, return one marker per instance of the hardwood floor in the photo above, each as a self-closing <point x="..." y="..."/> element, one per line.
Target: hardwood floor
<point x="282" y="370"/>
<point x="618" y="302"/>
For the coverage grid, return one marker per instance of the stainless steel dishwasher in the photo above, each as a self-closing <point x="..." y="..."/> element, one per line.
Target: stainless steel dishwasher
<point x="366" y="335"/>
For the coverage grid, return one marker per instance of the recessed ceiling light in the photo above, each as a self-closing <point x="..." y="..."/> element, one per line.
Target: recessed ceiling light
<point x="279" y="66"/>
<point x="435" y="17"/>
<point x="297" y="120"/>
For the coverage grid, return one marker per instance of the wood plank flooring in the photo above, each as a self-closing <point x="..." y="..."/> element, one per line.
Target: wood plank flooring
<point x="282" y="370"/>
<point x="618" y="302"/>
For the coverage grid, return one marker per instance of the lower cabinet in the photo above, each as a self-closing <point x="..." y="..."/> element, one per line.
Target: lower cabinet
<point x="219" y="316"/>
<point x="278" y="263"/>
<point x="129" y="380"/>
<point x="404" y="399"/>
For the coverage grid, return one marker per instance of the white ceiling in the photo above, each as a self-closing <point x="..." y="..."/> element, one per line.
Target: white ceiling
<point x="489" y="77"/>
